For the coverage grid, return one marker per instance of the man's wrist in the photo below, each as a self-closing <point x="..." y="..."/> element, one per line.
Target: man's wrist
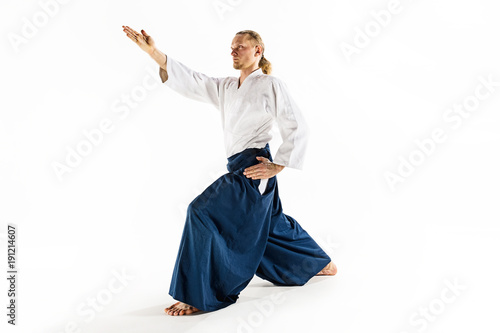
<point x="279" y="167"/>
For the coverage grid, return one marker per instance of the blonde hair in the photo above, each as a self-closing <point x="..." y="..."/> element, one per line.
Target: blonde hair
<point x="264" y="64"/>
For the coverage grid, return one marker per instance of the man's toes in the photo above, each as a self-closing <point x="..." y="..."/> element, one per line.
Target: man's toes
<point x="172" y="309"/>
<point x="330" y="269"/>
<point x="179" y="309"/>
<point x="172" y="306"/>
<point x="333" y="269"/>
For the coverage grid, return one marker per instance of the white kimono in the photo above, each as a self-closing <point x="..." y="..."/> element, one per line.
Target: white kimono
<point x="247" y="112"/>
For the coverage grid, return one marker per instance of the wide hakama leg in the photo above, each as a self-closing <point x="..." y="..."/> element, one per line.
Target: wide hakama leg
<point x="234" y="231"/>
<point x="292" y="257"/>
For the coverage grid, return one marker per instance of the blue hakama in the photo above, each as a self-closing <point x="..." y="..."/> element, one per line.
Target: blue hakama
<point x="233" y="232"/>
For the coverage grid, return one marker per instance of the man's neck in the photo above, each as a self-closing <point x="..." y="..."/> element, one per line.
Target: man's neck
<point x="247" y="71"/>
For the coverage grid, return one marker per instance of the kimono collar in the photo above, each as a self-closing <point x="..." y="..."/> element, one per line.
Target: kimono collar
<point x="255" y="72"/>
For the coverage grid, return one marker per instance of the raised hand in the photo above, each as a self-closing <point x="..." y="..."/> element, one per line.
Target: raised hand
<point x="142" y="39"/>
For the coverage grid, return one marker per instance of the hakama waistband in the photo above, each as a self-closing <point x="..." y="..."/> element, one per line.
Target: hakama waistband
<point x="238" y="162"/>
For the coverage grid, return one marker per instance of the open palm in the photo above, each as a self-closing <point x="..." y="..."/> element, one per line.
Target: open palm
<point x="145" y="41"/>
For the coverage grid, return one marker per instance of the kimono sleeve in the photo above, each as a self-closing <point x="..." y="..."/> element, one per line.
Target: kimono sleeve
<point x="292" y="126"/>
<point x="189" y="83"/>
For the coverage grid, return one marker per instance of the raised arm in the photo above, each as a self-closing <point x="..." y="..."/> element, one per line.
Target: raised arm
<point x="191" y="84"/>
<point x="176" y="75"/>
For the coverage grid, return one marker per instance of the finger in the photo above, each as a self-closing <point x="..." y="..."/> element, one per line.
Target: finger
<point x="253" y="170"/>
<point x="264" y="160"/>
<point x="256" y="173"/>
<point x="249" y="173"/>
<point x="131" y="30"/>
<point x="128" y="29"/>
<point x="259" y="167"/>
<point x="133" y="38"/>
<point x="144" y="33"/>
<point x="138" y="38"/>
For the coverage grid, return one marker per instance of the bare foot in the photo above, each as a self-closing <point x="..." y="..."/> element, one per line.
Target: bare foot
<point x="179" y="309"/>
<point x="330" y="269"/>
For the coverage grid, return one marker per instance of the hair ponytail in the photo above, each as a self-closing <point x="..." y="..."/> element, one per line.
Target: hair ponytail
<point x="264" y="64"/>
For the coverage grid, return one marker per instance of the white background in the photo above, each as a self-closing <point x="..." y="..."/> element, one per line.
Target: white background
<point x="122" y="208"/>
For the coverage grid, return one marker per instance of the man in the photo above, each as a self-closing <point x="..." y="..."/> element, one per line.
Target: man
<point x="236" y="228"/>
